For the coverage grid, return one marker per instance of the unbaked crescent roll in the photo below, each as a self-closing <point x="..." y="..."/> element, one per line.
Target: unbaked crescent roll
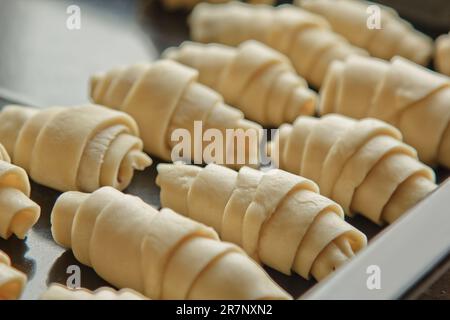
<point x="361" y="164"/>
<point x="162" y="255"/>
<point x="395" y="36"/>
<point x="278" y="218"/>
<point x="18" y="213"/>
<point x="414" y="99"/>
<point x="73" y="148"/>
<point x="12" y="281"/>
<point x="189" y="4"/>
<point x="164" y="96"/>
<point x="253" y="77"/>
<point x="304" y="37"/>
<point x="442" y="54"/>
<point x="59" y="292"/>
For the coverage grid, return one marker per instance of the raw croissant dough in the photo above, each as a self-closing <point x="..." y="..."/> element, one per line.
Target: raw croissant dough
<point x="189" y="4"/>
<point x="60" y="292"/>
<point x="17" y="212"/>
<point x="164" y="96"/>
<point x="304" y="37"/>
<point x="277" y="217"/>
<point x="12" y="281"/>
<point x="73" y="148"/>
<point x="414" y="99"/>
<point x="254" y="78"/>
<point x="395" y="36"/>
<point x="362" y="165"/>
<point x="162" y="254"/>
<point x="442" y="55"/>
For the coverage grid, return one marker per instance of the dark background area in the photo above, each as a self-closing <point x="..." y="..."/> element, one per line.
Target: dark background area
<point x="43" y="63"/>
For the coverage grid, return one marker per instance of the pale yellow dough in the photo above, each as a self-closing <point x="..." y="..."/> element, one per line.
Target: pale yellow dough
<point x="162" y="255"/>
<point x="252" y="77"/>
<point x="18" y="213"/>
<point x="164" y="96"/>
<point x="189" y="4"/>
<point x="278" y="218"/>
<point x="12" y="281"/>
<point x="414" y="99"/>
<point x="361" y="164"/>
<point x="59" y="292"/>
<point x="442" y="54"/>
<point x="73" y="148"/>
<point x="304" y="37"/>
<point x="394" y="37"/>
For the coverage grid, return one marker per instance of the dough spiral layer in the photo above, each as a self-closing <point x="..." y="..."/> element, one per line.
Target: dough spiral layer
<point x="362" y="165"/>
<point x="254" y="78"/>
<point x="304" y="37"/>
<point x="162" y="255"/>
<point x="278" y="218"/>
<point x="12" y="281"/>
<point x="394" y="37"/>
<point x="413" y="99"/>
<point x="18" y="213"/>
<point x="73" y="148"/>
<point x="164" y="96"/>
<point x="60" y="292"/>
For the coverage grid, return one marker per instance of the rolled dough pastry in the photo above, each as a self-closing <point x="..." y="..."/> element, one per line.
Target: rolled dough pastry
<point x="12" y="281"/>
<point x="73" y="148"/>
<point x="304" y="37"/>
<point x="189" y="4"/>
<point x="442" y="54"/>
<point x="253" y="77"/>
<point x="17" y="212"/>
<point x="59" y="292"/>
<point x="278" y="218"/>
<point x="162" y="255"/>
<point x="361" y="164"/>
<point x="393" y="37"/>
<point x="414" y="99"/>
<point x="164" y="96"/>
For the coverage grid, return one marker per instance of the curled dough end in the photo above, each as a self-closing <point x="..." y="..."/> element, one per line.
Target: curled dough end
<point x="74" y="148"/>
<point x="12" y="281"/>
<point x="276" y="217"/>
<point x="18" y="213"/>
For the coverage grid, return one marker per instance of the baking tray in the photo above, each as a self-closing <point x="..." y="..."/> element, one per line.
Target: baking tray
<point x="43" y="63"/>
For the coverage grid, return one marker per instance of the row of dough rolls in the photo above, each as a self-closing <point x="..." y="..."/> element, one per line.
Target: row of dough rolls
<point x="392" y="37"/>
<point x="414" y="99"/>
<point x="189" y="4"/>
<point x="278" y="218"/>
<point x="59" y="292"/>
<point x="12" y="281"/>
<point x="73" y="148"/>
<point x="252" y="77"/>
<point x="165" y="96"/>
<point x="304" y="37"/>
<point x="361" y="164"/>
<point x="18" y="213"/>
<point x="160" y="254"/>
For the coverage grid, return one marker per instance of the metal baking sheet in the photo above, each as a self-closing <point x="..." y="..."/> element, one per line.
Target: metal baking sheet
<point x="43" y="63"/>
